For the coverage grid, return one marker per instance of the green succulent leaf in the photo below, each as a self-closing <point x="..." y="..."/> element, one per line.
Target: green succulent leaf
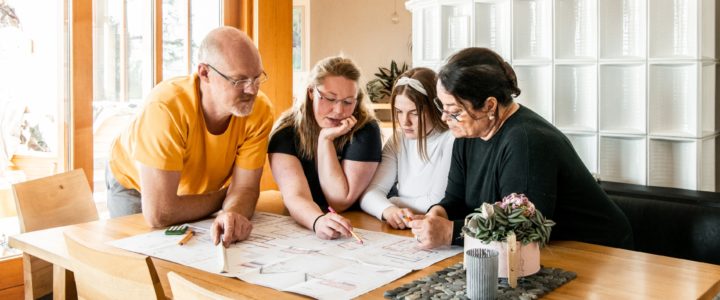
<point x="515" y="214"/>
<point x="501" y="214"/>
<point x="528" y="224"/>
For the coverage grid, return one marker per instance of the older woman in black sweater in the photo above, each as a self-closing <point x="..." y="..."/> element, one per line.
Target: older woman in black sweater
<point x="503" y="148"/>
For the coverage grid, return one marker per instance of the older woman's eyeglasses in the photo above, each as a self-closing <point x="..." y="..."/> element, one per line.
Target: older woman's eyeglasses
<point x="439" y="106"/>
<point x="243" y="83"/>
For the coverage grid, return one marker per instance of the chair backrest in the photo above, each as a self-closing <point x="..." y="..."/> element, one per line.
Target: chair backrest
<point x="104" y="272"/>
<point x="184" y="289"/>
<point x="58" y="200"/>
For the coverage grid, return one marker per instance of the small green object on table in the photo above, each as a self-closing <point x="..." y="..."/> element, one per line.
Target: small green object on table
<point x="176" y="230"/>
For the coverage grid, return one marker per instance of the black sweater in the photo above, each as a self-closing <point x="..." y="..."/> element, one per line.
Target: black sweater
<point x="365" y="145"/>
<point x="529" y="155"/>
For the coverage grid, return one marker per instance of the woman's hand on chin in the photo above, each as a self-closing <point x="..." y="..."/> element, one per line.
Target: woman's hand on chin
<point x="330" y="133"/>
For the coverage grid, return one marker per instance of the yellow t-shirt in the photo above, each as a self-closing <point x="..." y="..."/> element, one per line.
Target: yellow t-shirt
<point x="170" y="134"/>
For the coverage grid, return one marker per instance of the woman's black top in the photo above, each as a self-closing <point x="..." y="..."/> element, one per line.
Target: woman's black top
<point x="529" y="155"/>
<point x="366" y="145"/>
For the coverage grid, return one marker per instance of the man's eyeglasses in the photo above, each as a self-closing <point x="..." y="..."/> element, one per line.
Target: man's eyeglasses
<point x="439" y="106"/>
<point x="347" y="102"/>
<point x="243" y="83"/>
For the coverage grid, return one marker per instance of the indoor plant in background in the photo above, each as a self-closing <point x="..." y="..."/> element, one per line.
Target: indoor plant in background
<point x="495" y="226"/>
<point x="380" y="88"/>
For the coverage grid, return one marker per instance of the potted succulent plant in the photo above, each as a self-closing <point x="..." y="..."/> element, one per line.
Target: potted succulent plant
<point x="514" y="228"/>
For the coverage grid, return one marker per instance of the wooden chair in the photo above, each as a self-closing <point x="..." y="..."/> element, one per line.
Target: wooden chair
<point x="184" y="289"/>
<point x="104" y="272"/>
<point x="57" y="200"/>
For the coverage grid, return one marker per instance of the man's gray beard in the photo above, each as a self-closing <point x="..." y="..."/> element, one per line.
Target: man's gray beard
<point x="242" y="113"/>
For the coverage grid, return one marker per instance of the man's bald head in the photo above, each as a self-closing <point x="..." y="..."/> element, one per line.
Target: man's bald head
<point x="228" y="47"/>
<point x="233" y="56"/>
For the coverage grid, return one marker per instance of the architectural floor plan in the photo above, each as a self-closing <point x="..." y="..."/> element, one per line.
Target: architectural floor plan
<point x="285" y="256"/>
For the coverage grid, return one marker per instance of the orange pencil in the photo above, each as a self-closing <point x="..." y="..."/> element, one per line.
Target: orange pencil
<point x="351" y="232"/>
<point x="357" y="237"/>
<point x="186" y="238"/>
<point x="406" y="218"/>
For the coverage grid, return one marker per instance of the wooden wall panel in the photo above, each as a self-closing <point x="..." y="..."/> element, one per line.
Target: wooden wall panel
<point x="81" y="86"/>
<point x="239" y="14"/>
<point x="273" y="28"/>
<point x="231" y="13"/>
<point x="158" y="55"/>
<point x="247" y="19"/>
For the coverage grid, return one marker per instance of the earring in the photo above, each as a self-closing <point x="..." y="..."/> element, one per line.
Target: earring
<point x="491" y="116"/>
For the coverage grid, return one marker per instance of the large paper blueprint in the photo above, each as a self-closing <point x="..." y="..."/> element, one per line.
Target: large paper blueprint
<point x="285" y="256"/>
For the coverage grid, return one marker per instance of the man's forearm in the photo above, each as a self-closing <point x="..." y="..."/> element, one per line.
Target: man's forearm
<point x="205" y="204"/>
<point x="242" y="201"/>
<point x="184" y="208"/>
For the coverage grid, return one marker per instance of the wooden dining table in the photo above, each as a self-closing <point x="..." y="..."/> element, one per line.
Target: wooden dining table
<point x="602" y="272"/>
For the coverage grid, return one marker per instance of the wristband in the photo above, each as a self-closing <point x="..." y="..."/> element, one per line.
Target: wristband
<point x="316" y="219"/>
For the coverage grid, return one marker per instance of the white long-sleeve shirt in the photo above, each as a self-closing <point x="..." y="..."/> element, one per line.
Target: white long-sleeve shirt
<point x="420" y="184"/>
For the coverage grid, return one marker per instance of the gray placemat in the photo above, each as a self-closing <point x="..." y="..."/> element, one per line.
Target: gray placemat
<point x="449" y="283"/>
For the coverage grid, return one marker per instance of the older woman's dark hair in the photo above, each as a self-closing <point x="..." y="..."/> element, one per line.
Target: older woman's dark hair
<point x="474" y="74"/>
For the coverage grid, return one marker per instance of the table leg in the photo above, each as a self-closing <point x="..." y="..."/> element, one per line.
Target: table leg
<point x="63" y="284"/>
<point x="37" y="277"/>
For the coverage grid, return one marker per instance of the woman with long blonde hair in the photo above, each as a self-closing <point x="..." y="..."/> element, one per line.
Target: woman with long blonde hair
<point x="324" y="150"/>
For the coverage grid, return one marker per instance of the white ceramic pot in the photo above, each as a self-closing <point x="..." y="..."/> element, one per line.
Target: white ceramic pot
<point x="528" y="256"/>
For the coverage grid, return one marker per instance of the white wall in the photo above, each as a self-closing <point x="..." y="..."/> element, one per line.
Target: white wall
<point x="362" y="30"/>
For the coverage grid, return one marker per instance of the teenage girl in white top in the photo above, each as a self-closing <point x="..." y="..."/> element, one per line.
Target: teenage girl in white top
<point x="417" y="158"/>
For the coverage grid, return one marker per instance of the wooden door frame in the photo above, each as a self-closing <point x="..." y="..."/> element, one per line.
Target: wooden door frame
<point x="81" y="87"/>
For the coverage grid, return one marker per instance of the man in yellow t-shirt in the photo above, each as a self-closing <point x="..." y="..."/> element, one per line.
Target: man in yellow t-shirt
<point x="199" y="145"/>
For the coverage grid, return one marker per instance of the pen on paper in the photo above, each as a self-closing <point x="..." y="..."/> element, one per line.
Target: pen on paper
<point x="188" y="235"/>
<point x="351" y="232"/>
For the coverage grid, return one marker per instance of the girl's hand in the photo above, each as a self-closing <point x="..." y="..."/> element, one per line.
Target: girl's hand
<point x="398" y="218"/>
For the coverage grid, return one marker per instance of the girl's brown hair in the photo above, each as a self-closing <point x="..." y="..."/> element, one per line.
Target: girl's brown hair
<point x="423" y="104"/>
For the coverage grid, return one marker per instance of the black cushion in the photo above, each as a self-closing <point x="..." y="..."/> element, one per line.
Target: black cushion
<point x="671" y="222"/>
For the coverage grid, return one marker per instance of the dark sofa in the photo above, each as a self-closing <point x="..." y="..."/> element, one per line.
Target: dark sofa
<point x="671" y="222"/>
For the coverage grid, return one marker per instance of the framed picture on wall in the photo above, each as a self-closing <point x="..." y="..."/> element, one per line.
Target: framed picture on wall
<point x="299" y="32"/>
